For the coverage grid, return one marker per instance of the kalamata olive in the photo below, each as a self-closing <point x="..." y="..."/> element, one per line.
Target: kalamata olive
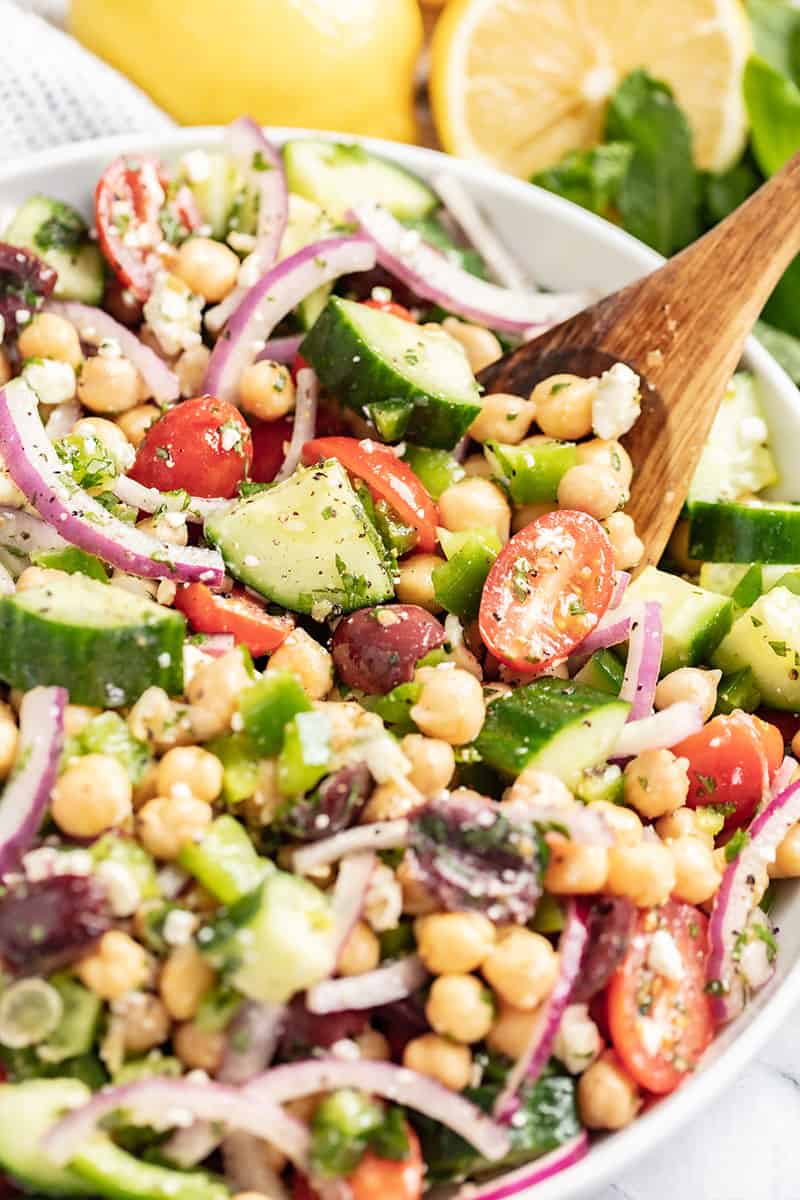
<point x="49" y="923"/>
<point x="121" y="303"/>
<point x="336" y="803"/>
<point x="611" y="922"/>
<point x="375" y="649"/>
<point x="305" y="1031"/>
<point x="25" y="281"/>
<point x="401" y="1022"/>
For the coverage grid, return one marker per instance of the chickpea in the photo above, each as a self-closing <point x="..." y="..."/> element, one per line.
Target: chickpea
<point x="6" y="371"/>
<point x="624" y="823"/>
<point x="77" y="717"/>
<point x="787" y="858"/>
<point x="110" y="437"/>
<point x="94" y="793"/>
<point x="593" y="490"/>
<point x="480" y="345"/>
<point x="628" y="547"/>
<point x="610" y="453"/>
<point x="475" y="503"/>
<point x="266" y="390"/>
<point x="108" y="385"/>
<point x="185" y="979"/>
<point x="136" y="422"/>
<point x="526" y="513"/>
<point x="432" y="762"/>
<point x="564" y="406"/>
<point x="447" y="1062"/>
<point x="459" y="1007"/>
<point x="575" y="868"/>
<point x="689" y="683"/>
<point x="199" y="1049"/>
<point x="522" y="968"/>
<point x="191" y="370"/>
<point x="645" y="873"/>
<point x="117" y="965"/>
<point x="696" y="875"/>
<point x="215" y="686"/>
<point x="656" y="783"/>
<point x="167" y="527"/>
<point x="190" y="768"/>
<point x="608" y="1098"/>
<point x="454" y="943"/>
<point x="417" y="900"/>
<point x="36" y="577"/>
<point x="361" y="952"/>
<point x="477" y="466"/>
<point x="167" y="824"/>
<point x="145" y="1021"/>
<point x="511" y="1031"/>
<point x="9" y="738"/>
<point x="415" y="581"/>
<point x="682" y="823"/>
<point x="306" y="659"/>
<point x="209" y="268"/>
<point x="393" y="799"/>
<point x="533" y="788"/>
<point x="503" y="418"/>
<point x="51" y="336"/>
<point x="450" y="705"/>
<point x="373" y="1046"/>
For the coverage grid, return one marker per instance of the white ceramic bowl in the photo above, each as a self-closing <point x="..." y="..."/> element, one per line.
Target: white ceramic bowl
<point x="563" y="248"/>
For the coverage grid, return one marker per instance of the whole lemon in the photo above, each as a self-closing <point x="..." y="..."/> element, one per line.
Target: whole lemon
<point x="327" y="64"/>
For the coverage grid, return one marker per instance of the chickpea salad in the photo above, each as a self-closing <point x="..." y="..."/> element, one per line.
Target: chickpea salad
<point x="365" y="826"/>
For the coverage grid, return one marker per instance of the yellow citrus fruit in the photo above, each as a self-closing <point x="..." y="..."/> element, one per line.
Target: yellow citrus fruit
<point x="327" y="64"/>
<point x="519" y="83"/>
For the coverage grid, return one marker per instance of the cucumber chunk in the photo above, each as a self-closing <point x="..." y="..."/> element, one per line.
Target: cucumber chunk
<point x="364" y="356"/>
<point x="736" y="458"/>
<point x="725" y="577"/>
<point x="307" y="223"/>
<point x="224" y="861"/>
<point x="111" y="1172"/>
<point x="336" y="175"/>
<point x="306" y="543"/>
<point x="745" y="533"/>
<point x="105" y="645"/>
<point x="738" y="691"/>
<point x="27" y="1111"/>
<point x="555" y="725"/>
<point x="60" y="236"/>
<point x="531" y="471"/>
<point x="695" y="621"/>
<point x="603" y="671"/>
<point x="217" y="191"/>
<point x="76" y="1030"/>
<point x="767" y="640"/>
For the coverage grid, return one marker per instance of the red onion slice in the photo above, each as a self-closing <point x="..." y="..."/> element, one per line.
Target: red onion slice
<point x="94" y="325"/>
<point x="7" y="585"/>
<point x="246" y="140"/>
<point x="385" y="985"/>
<point x="533" y="1060"/>
<point x="659" y="732"/>
<point x="217" y="644"/>
<point x="272" y="298"/>
<point x="62" y="419"/>
<point x="349" y="895"/>
<point x="151" y="500"/>
<point x="380" y="835"/>
<point x="621" y="581"/>
<point x="305" y="420"/>
<point x="27" y="793"/>
<point x="467" y="215"/>
<point x="282" y="349"/>
<point x="398" y="1084"/>
<point x="580" y="822"/>
<point x="514" y="1183"/>
<point x="247" y="1170"/>
<point x="22" y="532"/>
<point x="736" y="899"/>
<point x="431" y="275"/>
<point x="645" y="647"/>
<point x="38" y="472"/>
<point x="612" y="629"/>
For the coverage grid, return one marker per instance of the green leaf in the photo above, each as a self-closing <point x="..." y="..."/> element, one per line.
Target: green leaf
<point x="724" y="193"/>
<point x="776" y="34"/>
<point x="591" y="178"/>
<point x="784" y="348"/>
<point x="783" y="307"/>
<point x="773" y="106"/>
<point x="659" y="198"/>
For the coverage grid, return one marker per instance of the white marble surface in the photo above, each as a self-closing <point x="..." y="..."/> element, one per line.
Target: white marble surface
<point x="747" y="1146"/>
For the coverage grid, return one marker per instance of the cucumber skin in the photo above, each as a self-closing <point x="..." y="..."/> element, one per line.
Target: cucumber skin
<point x="744" y="533"/>
<point x="333" y="345"/>
<point x="35" y="650"/>
<point x="36" y="1104"/>
<point x="114" y="1173"/>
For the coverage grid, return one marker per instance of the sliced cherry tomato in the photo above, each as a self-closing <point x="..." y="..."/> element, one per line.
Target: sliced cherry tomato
<point x="679" y="1009"/>
<point x="731" y="761"/>
<point x="389" y="306"/>
<point x="298" y="364"/>
<point x="302" y="1189"/>
<point x="547" y="590"/>
<point x="389" y="1179"/>
<point x="238" y="614"/>
<point x="128" y="200"/>
<point x="387" y="477"/>
<point x="203" y="446"/>
<point x="269" y="441"/>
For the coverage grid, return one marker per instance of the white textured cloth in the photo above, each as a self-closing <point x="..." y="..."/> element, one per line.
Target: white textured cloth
<point x="53" y="91"/>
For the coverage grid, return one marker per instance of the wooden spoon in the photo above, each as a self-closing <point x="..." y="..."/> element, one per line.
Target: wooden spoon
<point x="682" y="329"/>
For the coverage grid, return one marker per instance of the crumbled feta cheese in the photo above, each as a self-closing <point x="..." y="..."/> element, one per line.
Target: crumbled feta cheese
<point x="46" y="861"/>
<point x="164" y="660"/>
<point x="346" y="1050"/>
<point x="54" y="382"/>
<point x="121" y="887"/>
<point x="381" y="752"/>
<point x="231" y="436"/>
<point x="193" y="660"/>
<point x="664" y="957"/>
<point x="617" y="402"/>
<point x="197" y="165"/>
<point x="650" y="1034"/>
<point x="578" y="1040"/>
<point x="109" y="348"/>
<point x="171" y="881"/>
<point x="174" y="314"/>
<point x="383" y="904"/>
<point x="178" y="927"/>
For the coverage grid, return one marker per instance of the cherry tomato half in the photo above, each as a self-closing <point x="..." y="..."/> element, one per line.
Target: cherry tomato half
<point x="387" y="477"/>
<point x="269" y="442"/>
<point x="203" y="446"/>
<point x="128" y="200"/>
<point x="679" y="1009"/>
<point x="547" y="590"/>
<point x="238" y="614"/>
<point x="732" y="760"/>
<point x="394" y="309"/>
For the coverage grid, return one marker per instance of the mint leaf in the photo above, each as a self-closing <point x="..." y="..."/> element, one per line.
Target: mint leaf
<point x="783" y="307"/>
<point x="776" y="34"/>
<point x="773" y="106"/>
<point x="659" y="198"/>
<point x="723" y="193"/>
<point x="591" y="178"/>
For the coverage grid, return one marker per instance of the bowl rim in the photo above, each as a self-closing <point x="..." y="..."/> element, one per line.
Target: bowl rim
<point x="617" y="1153"/>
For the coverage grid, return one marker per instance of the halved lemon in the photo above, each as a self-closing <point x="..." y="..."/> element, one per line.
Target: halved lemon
<point x="519" y="83"/>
